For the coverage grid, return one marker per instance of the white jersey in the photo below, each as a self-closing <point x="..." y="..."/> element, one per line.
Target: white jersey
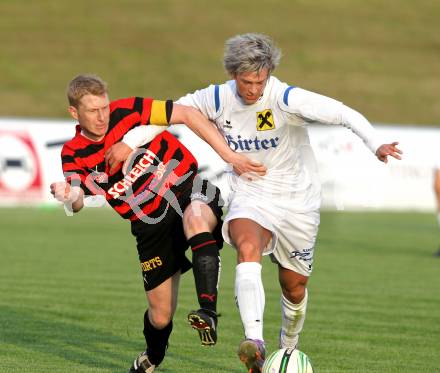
<point x="273" y="131"/>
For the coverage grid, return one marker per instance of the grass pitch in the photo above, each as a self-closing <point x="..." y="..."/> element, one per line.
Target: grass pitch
<point x="71" y="297"/>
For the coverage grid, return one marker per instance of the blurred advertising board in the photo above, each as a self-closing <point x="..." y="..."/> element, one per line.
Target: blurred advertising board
<point x="351" y="177"/>
<point x="30" y="158"/>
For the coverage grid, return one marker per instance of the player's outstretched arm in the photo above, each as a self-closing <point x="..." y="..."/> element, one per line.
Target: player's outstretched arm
<point x="386" y="150"/>
<point x="72" y="197"/>
<point x="199" y="125"/>
<point x="207" y="131"/>
<point x="317" y="108"/>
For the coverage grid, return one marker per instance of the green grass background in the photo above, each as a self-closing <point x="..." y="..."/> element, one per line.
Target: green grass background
<point x="71" y="297"/>
<point x="380" y="57"/>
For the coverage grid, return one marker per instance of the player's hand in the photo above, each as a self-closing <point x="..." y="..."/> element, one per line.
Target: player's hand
<point x="386" y="150"/>
<point x="247" y="167"/>
<point x="115" y="155"/>
<point x="63" y="192"/>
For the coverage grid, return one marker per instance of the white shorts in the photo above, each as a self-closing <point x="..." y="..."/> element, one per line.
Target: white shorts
<point x="293" y="233"/>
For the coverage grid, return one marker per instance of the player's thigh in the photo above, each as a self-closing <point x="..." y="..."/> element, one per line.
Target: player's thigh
<point x="244" y="229"/>
<point x="250" y="222"/>
<point x="249" y="238"/>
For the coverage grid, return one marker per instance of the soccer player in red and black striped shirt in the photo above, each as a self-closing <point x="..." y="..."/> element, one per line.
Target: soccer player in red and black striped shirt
<point x="158" y="188"/>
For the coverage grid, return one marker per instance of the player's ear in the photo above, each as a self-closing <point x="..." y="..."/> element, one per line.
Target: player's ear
<point x="73" y="112"/>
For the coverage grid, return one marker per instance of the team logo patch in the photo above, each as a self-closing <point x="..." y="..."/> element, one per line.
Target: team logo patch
<point x="265" y="120"/>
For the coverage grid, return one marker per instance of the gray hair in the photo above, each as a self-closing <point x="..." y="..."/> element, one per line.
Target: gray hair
<point x="250" y="52"/>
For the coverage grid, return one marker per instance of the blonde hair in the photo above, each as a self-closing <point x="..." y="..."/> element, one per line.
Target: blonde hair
<point x="83" y="85"/>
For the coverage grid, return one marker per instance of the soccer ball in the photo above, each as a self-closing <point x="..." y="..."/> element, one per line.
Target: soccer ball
<point x="287" y="360"/>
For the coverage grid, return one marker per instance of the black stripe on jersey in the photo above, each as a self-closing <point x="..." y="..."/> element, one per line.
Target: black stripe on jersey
<point x="153" y="214"/>
<point x="86" y="190"/>
<point x="67" y="159"/>
<point x="97" y="168"/>
<point x="164" y="148"/>
<point x="138" y="105"/>
<point x="177" y="155"/>
<point x="120" y="113"/>
<point x="116" y="116"/>
<point x="169" y="109"/>
<point x="88" y="150"/>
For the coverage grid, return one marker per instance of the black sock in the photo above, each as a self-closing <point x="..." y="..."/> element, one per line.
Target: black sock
<point x="206" y="268"/>
<point x="157" y="340"/>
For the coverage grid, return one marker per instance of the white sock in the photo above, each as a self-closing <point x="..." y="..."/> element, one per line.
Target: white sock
<point x="293" y="316"/>
<point x="249" y="297"/>
<point x="438" y="218"/>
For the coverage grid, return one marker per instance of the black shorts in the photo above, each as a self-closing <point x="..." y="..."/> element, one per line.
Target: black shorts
<point x="161" y="246"/>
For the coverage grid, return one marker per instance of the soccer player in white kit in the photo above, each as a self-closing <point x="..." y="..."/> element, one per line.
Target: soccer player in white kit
<point x="278" y="213"/>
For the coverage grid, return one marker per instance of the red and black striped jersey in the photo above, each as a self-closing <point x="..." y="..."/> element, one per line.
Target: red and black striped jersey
<point x="157" y="174"/>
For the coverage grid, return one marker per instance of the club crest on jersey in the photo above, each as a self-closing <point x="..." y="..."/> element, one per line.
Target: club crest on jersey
<point x="265" y="120"/>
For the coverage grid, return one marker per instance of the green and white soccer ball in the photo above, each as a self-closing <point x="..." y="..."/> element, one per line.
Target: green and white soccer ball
<point x="287" y="360"/>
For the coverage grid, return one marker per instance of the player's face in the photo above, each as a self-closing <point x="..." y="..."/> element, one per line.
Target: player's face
<point x="250" y="85"/>
<point x="93" y="115"/>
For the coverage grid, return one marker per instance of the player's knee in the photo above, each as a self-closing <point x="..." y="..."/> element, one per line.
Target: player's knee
<point x="198" y="218"/>
<point x="248" y="251"/>
<point x="295" y="292"/>
<point x="159" y="319"/>
<point x="160" y="314"/>
<point x="194" y="224"/>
